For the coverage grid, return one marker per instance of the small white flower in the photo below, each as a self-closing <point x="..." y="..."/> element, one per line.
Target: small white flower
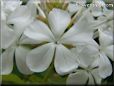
<point x="84" y="76"/>
<point x="75" y="5"/>
<point x="20" y="18"/>
<point x="8" y="6"/>
<point x="106" y="41"/>
<point x="19" y="21"/>
<point x="53" y="40"/>
<point x="94" y="67"/>
<point x="98" y="8"/>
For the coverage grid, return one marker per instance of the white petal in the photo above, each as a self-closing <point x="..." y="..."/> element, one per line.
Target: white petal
<point x="3" y="15"/>
<point x="7" y="36"/>
<point x="96" y="76"/>
<point x="86" y="56"/>
<point x="109" y="52"/>
<point x="78" y="78"/>
<point x="73" y="7"/>
<point x="65" y="61"/>
<point x="105" y="39"/>
<point x="6" y="61"/>
<point x="105" y="67"/>
<point x="79" y="33"/>
<point x="22" y="17"/>
<point x="58" y="20"/>
<point x="36" y="33"/>
<point x="99" y="5"/>
<point x="10" y="6"/>
<point x="97" y="11"/>
<point x="39" y="59"/>
<point x="95" y="63"/>
<point x="20" y="57"/>
<point x="80" y="38"/>
<point x="91" y="80"/>
<point x="83" y="26"/>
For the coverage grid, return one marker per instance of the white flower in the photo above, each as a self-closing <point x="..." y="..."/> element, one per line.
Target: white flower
<point x="98" y="8"/>
<point x="20" y="18"/>
<point x="75" y="5"/>
<point x="19" y="21"/>
<point x="92" y="67"/>
<point x="102" y="20"/>
<point x="100" y="11"/>
<point x="54" y="40"/>
<point x="106" y="41"/>
<point x="8" y="6"/>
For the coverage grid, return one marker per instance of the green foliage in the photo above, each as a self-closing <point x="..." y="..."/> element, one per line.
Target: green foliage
<point x="47" y="77"/>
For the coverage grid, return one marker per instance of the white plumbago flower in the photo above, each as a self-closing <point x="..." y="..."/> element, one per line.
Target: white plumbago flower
<point x="54" y="40"/>
<point x="92" y="67"/>
<point x="8" y="6"/>
<point x="20" y="21"/>
<point x="106" y="41"/>
<point x="100" y="12"/>
<point x="75" y="5"/>
<point x="98" y="8"/>
<point x="20" y="18"/>
<point x="106" y="19"/>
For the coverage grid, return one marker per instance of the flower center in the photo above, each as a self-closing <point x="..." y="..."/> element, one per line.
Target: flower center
<point x="57" y="42"/>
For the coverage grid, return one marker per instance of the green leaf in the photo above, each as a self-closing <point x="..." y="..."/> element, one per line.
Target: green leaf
<point x="12" y="78"/>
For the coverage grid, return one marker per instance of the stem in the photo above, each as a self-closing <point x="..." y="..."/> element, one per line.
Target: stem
<point x="74" y="18"/>
<point x="40" y="11"/>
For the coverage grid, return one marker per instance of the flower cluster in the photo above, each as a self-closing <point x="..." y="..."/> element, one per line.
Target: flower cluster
<point x="76" y="39"/>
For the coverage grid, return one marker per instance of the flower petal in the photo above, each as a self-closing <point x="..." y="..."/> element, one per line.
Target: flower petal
<point x="109" y="52"/>
<point x="6" y="61"/>
<point x="78" y="78"/>
<point x="105" y="39"/>
<point x="39" y="59"/>
<point x="98" y="8"/>
<point x="81" y="38"/>
<point x="105" y="67"/>
<point x="96" y="76"/>
<point x="10" y="6"/>
<point x="82" y="26"/>
<point x="20" y="57"/>
<point x="7" y="36"/>
<point x="65" y="61"/>
<point x="86" y="55"/>
<point x="91" y="80"/>
<point x="73" y="7"/>
<point x="58" y="20"/>
<point x="78" y="34"/>
<point x="22" y="17"/>
<point x="36" y="33"/>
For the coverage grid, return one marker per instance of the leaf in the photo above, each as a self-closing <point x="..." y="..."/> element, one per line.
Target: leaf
<point x="57" y="79"/>
<point x="12" y="78"/>
<point x="35" y="79"/>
